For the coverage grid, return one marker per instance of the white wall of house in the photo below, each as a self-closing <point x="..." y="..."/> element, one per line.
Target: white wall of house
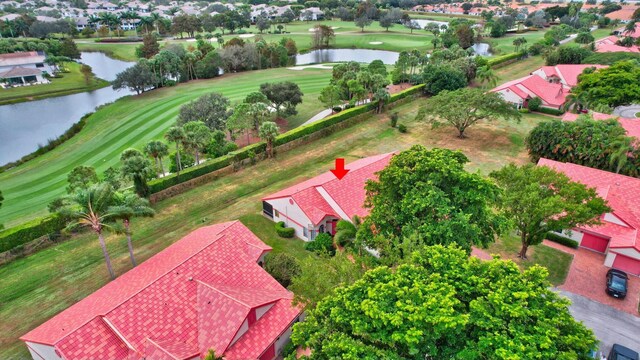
<point x="291" y="214"/>
<point x="42" y="352"/>
<point x="511" y="97"/>
<point x="574" y="234"/>
<point x="611" y="257"/>
<point x="283" y="340"/>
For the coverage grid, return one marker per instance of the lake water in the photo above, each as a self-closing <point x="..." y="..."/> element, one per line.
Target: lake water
<point x="481" y="49"/>
<point x="25" y="125"/>
<point x="425" y="22"/>
<point x="344" y="55"/>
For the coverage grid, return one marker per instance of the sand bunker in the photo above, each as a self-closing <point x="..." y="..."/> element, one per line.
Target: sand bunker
<point x="246" y="35"/>
<point x="375" y="43"/>
<point x="315" y="66"/>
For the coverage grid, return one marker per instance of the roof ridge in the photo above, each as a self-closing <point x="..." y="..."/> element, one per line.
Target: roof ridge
<point x="222" y="292"/>
<point x="162" y="349"/>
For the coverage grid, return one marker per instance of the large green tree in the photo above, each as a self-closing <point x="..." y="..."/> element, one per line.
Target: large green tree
<point x="426" y="197"/>
<point x="81" y="177"/>
<point x="212" y="109"/>
<point x="138" y="169"/>
<point x="619" y="84"/>
<point x="465" y="107"/>
<point x="538" y="199"/>
<point x="284" y="96"/>
<point x="445" y="305"/>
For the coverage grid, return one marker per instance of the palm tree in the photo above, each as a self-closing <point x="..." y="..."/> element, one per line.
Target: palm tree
<point x="197" y="137"/>
<point x="109" y="20"/>
<point x="157" y="150"/>
<point x="126" y="206"/>
<point x="486" y="75"/>
<point x="624" y="145"/>
<point x="90" y="208"/>
<point x="176" y="135"/>
<point x="578" y="101"/>
<point x="268" y="132"/>
<point x="381" y="96"/>
<point x="129" y="16"/>
<point x="137" y="168"/>
<point x="146" y="22"/>
<point x="157" y="18"/>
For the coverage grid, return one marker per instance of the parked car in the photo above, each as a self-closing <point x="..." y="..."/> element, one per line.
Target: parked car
<point x="617" y="283"/>
<point x="619" y="352"/>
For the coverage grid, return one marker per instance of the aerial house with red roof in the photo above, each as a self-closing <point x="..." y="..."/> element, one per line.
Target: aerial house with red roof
<point x="551" y="84"/>
<point x="315" y="206"/>
<point x="618" y="235"/>
<point x="205" y="292"/>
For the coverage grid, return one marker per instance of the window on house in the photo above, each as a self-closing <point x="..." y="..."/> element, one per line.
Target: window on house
<point x="305" y="232"/>
<point x="39" y="65"/>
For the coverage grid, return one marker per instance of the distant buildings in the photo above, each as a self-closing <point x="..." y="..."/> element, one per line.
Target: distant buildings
<point x="23" y="68"/>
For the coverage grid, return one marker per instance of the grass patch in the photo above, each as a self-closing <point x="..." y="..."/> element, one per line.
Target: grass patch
<point x="71" y="83"/>
<point x="556" y="261"/>
<point x="35" y="288"/>
<point x="132" y="122"/>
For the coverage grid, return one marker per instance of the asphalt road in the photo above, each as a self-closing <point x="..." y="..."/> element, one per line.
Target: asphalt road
<point x="610" y="326"/>
<point x="627" y="111"/>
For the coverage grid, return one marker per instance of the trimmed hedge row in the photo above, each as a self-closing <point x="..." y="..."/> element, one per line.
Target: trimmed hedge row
<point x="158" y="185"/>
<point x="19" y="235"/>
<point x="501" y="59"/>
<point x="283" y="231"/>
<point x="562" y="240"/>
<point x="550" y="111"/>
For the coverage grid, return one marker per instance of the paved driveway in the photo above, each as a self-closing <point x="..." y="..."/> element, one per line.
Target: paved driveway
<point x="587" y="276"/>
<point x="610" y="326"/>
<point x="627" y="111"/>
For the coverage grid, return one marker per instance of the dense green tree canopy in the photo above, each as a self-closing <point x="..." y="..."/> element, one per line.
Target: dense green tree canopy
<point x="583" y="142"/>
<point x="465" y="107"/>
<point x="81" y="177"/>
<point x="438" y="78"/>
<point x="445" y="305"/>
<point x="284" y="96"/>
<point x="138" y="78"/>
<point x="619" y="84"/>
<point x="427" y="197"/>
<point x="539" y="199"/>
<point x="212" y="109"/>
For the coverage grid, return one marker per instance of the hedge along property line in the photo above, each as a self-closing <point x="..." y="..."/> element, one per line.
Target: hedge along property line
<point x="34" y="229"/>
<point x="562" y="240"/>
<point x="189" y="178"/>
<point x="504" y="60"/>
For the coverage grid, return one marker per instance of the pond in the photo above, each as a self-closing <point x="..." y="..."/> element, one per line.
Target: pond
<point x="481" y="49"/>
<point x="344" y="55"/>
<point x="425" y="22"/>
<point x="27" y="125"/>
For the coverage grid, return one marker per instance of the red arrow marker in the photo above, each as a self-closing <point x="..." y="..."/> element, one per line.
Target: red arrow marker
<point x="340" y="171"/>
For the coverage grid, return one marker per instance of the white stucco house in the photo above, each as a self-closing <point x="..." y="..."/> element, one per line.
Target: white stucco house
<point x="22" y="68"/>
<point x="315" y="206"/>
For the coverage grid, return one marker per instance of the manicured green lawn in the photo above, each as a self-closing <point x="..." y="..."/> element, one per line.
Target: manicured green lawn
<point x="504" y="45"/>
<point x="34" y="288"/>
<point x="71" y="82"/>
<point x="519" y="69"/>
<point x="132" y="122"/>
<point x="398" y="38"/>
<point x="556" y="261"/>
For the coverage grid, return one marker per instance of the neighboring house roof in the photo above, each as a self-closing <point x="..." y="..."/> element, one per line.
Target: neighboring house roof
<point x="621" y="192"/>
<point x="632" y="126"/>
<point x="624" y="14"/>
<point x="10" y="17"/>
<point x="19" y="71"/>
<point x="21" y="58"/>
<point x="191" y="297"/>
<point x="568" y="74"/>
<point x="534" y="86"/>
<point x="348" y="193"/>
<point x="608" y="44"/>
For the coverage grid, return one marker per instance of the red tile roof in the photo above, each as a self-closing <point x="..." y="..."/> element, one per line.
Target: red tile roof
<point x="348" y="193"/>
<point x="621" y="192"/>
<point x="632" y="126"/>
<point x="568" y="72"/>
<point x="553" y="94"/>
<point x="608" y="44"/>
<point x="163" y="305"/>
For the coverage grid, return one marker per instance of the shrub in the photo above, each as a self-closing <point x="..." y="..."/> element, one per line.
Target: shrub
<point x="502" y="59"/>
<point x="336" y="109"/>
<point x="523" y="110"/>
<point x="349" y="106"/>
<point x="402" y="128"/>
<point x="283" y="267"/>
<point x="534" y="104"/>
<point x="323" y="243"/>
<point x="283" y="231"/>
<point x="550" y="111"/>
<point x="394" y="119"/>
<point x="562" y="240"/>
<point x="22" y="234"/>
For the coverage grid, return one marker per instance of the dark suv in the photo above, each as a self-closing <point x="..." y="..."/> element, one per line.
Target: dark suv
<point x="619" y="352"/>
<point x="617" y="282"/>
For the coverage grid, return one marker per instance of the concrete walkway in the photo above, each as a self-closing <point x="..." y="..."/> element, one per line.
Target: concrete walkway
<point x="319" y="116"/>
